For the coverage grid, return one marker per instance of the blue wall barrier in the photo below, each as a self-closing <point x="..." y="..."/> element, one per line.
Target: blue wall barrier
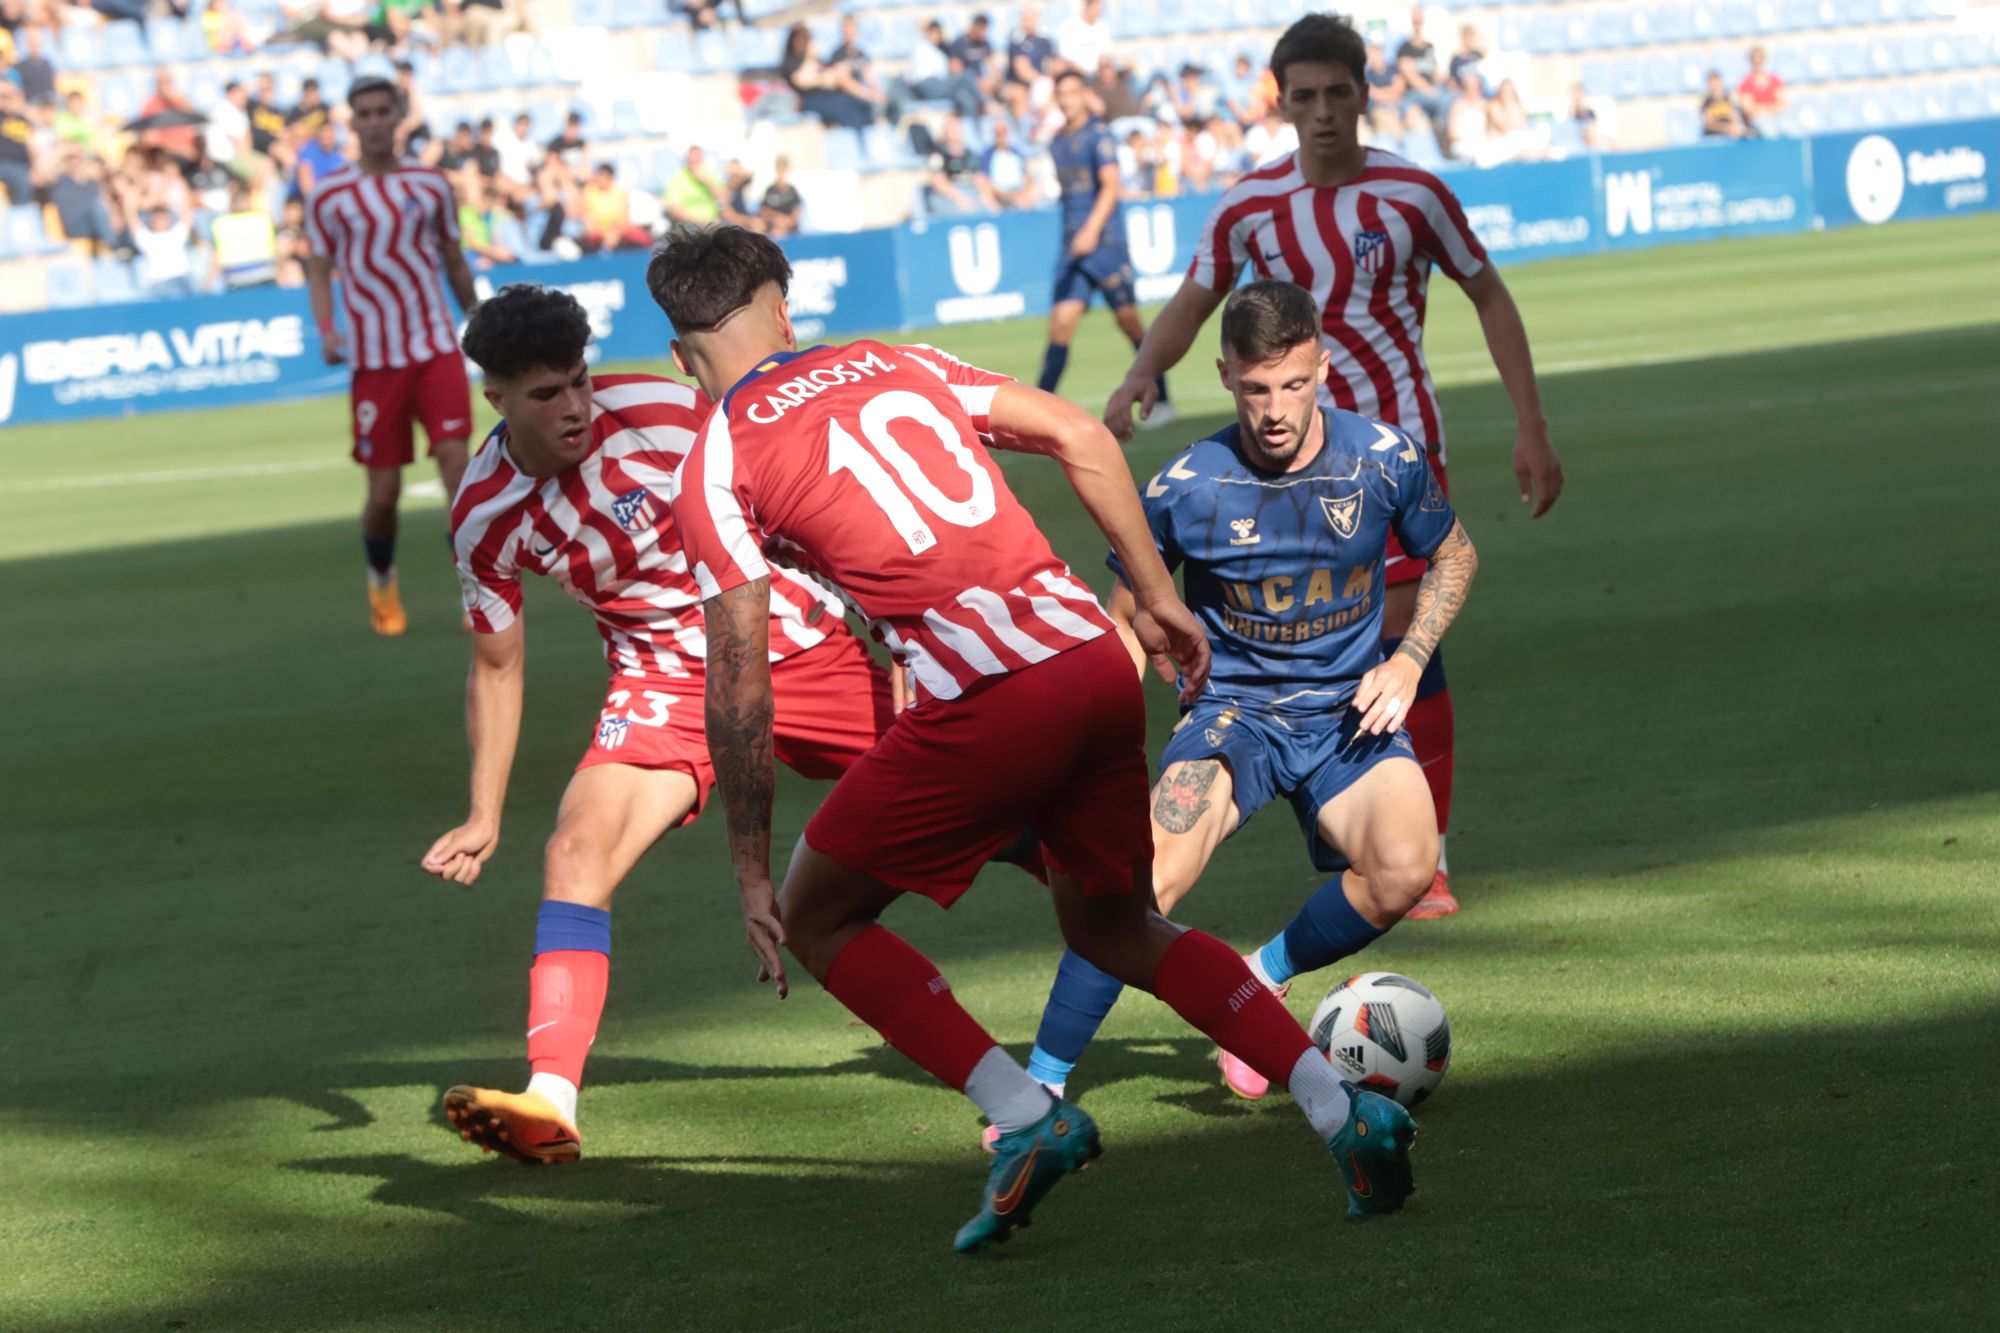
<point x="260" y="345"/>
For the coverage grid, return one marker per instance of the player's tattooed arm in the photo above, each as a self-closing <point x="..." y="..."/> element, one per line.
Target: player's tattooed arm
<point x="1441" y="595"/>
<point x="739" y="711"/>
<point x="1181" y="799"/>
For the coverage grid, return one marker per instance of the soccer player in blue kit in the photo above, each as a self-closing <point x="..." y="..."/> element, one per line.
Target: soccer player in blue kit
<point x="1095" y="256"/>
<point x="1279" y="523"/>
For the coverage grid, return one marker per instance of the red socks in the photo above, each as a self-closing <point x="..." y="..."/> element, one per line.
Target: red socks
<point x="1430" y="728"/>
<point x="1208" y="984"/>
<point x="565" y="1001"/>
<point x="898" y="992"/>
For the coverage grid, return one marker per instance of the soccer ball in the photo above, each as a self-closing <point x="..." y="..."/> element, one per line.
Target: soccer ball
<point x="1385" y="1033"/>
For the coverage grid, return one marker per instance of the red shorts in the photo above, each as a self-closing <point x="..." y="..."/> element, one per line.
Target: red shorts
<point x="831" y="704"/>
<point x="1059" y="746"/>
<point x="1400" y="568"/>
<point x="388" y="402"/>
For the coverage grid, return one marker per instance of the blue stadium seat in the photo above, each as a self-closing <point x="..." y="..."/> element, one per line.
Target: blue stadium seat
<point x="1966" y="102"/>
<point x="119" y="96"/>
<point x="1766" y="16"/>
<point x="1933" y="101"/>
<point x="763" y="48"/>
<point x="1683" y="125"/>
<point x="1738" y="19"/>
<point x="1815" y="63"/>
<point x="633" y="13"/>
<point x="1970" y="50"/>
<point x="67" y="284"/>
<point x="1809" y="113"/>
<point x="1421" y="147"/>
<point x="673" y="52"/>
<point x="1881" y="58"/>
<point x="114" y="281"/>
<point x="1874" y="109"/>
<point x="592" y="13"/>
<point x="1704" y="22"/>
<point x="124" y="44"/>
<point x="204" y="86"/>
<point x="1512" y="35"/>
<point x="713" y="49"/>
<point x="1850" y="59"/>
<point x="457" y="70"/>
<point x="1692" y="69"/>
<point x="1595" y="75"/>
<point x="1670" y="22"/>
<point x="1903" y="106"/>
<point x="1628" y="78"/>
<point x="1610" y="26"/>
<point x="843" y="151"/>
<point x="194" y="42"/>
<point x="496" y="68"/>
<point x="1855" y="12"/>
<point x="21" y="231"/>
<point x="1992" y="87"/>
<point x="625" y="121"/>
<point x="1662" y="77"/>
<point x="163" y="40"/>
<point x="79" y="48"/>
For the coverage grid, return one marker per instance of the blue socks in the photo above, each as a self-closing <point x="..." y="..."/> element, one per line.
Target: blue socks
<point x="561" y="926"/>
<point x="1078" y="1004"/>
<point x="1054" y="361"/>
<point x="1326" y="930"/>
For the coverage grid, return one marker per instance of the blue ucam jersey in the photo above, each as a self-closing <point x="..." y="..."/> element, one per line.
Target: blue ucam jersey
<point x="1078" y="156"/>
<point x="1285" y="570"/>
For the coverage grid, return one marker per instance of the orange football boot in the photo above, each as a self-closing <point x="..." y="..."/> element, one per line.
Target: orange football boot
<point x="1436" y="902"/>
<point x="385" y="610"/>
<point x="524" y="1125"/>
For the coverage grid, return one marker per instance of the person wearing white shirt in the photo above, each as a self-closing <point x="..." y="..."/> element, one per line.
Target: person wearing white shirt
<point x="162" y="242"/>
<point x="1084" y="37"/>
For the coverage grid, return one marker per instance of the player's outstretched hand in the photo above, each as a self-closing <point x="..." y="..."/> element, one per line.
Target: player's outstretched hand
<point x="1143" y="394"/>
<point x="1385" y="695"/>
<point x="1537" y="469"/>
<point x="766" y="931"/>
<point x="1175" y="643"/>
<point x="459" y="854"/>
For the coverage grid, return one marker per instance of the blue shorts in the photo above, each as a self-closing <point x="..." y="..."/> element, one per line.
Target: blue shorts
<point x="1107" y="269"/>
<point x="1309" y="759"/>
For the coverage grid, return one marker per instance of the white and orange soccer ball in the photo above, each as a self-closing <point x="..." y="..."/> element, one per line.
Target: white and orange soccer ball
<point x="1385" y="1033"/>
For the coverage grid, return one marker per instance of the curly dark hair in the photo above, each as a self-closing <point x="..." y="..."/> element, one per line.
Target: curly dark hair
<point x="703" y="275"/>
<point x="524" y="327"/>
<point x="1325" y="39"/>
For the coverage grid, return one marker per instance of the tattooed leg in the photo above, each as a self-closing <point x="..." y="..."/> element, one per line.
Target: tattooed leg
<point x="1193" y="811"/>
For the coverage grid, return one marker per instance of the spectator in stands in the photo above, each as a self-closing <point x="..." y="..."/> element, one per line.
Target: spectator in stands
<point x="1136" y="166"/>
<point x="1385" y="92"/>
<point x="1195" y="99"/>
<point x="692" y="198"/>
<point x="1083" y="39"/>
<point x="828" y="92"/>
<point x="1466" y="61"/>
<point x="340" y="26"/>
<point x="1589" y="128"/>
<point x="780" y="210"/>
<point x="956" y="184"/>
<point x="737" y="209"/>
<point x="320" y="158"/>
<point x="32" y="69"/>
<point x="1761" y="95"/>
<point x="973" y="50"/>
<point x="1465" y="128"/>
<point x="1270" y="138"/>
<point x="1231" y="160"/>
<point x="1030" y="54"/>
<point x="293" y="246"/>
<point x="166" y="265"/>
<point x="457" y="150"/>
<point x="476" y="219"/>
<point x="706" y="13"/>
<point x="82" y="205"/>
<point x="932" y="75"/>
<point x="413" y="132"/>
<point x="227" y="138"/>
<point x="1417" y="62"/>
<point x="479" y="22"/>
<point x="267" y="124"/>
<point x="1239" y="87"/>
<point x="223" y="28"/>
<point x="17" y="154"/>
<point x="209" y="182"/>
<point x="1112" y="87"/>
<point x="1720" y="117"/>
<point x="302" y="122"/>
<point x="167" y="99"/>
<point x="850" y="57"/>
<point x="517" y="150"/>
<point x="569" y="150"/>
<point x="607" y="214"/>
<point x="246" y="244"/>
<point x="73" y="122"/>
<point x="1006" y="171"/>
<point x="1510" y="137"/>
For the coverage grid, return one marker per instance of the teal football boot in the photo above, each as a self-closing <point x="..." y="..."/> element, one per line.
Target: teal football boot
<point x="1373" y="1150"/>
<point x="1026" y="1165"/>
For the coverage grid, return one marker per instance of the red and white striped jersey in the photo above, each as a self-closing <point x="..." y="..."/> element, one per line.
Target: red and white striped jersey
<point x="603" y="531"/>
<point x="870" y="462"/>
<point x="1364" y="250"/>
<point x="382" y="231"/>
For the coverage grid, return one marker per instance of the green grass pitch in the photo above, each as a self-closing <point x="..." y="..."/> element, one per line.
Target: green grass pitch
<point x="1727" y="827"/>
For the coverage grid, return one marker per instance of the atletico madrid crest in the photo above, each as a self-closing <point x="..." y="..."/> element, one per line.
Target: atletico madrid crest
<point x="1371" y="250"/>
<point x="1343" y="514"/>
<point x="634" y="510"/>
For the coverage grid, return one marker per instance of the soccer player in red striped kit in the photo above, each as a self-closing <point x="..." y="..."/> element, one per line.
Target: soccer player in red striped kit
<point x="1361" y="229"/>
<point x="868" y="464"/>
<point x="389" y="226"/>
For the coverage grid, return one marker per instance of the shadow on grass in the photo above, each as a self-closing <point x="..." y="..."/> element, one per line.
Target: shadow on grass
<point x="1791" y="1179"/>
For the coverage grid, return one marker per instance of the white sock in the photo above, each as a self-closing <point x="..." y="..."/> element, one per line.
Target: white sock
<point x="558" y="1090"/>
<point x="1441" y="863"/>
<point x="1255" y="962"/>
<point x="1316" y="1088"/>
<point x="381" y="578"/>
<point x="1004" y="1091"/>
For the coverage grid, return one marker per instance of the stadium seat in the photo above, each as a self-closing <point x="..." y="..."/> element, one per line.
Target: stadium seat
<point x="194" y="42"/>
<point x="592" y="13"/>
<point x="1683" y="125"/>
<point x="1511" y="35"/>
<point x="1913" y="54"/>
<point x="1662" y="77"/>
<point x="1692" y="69"/>
<point x="1850" y="59"/>
<point x="124" y="44"/>
<point x="22" y="232"/>
<point x="113" y="281"/>
<point x="1610" y="26"/>
<point x="163" y="40"/>
<point x="843" y="151"/>
<point x="1970" y="50"/>
<point x="1816" y="65"/>
<point x="1544" y="35"/>
<point x="67" y="284"/>
<point x="633" y="13"/>
<point x="673" y="51"/>
<point x="1704" y="23"/>
<point x="1766" y="16"/>
<point x="1902" y="106"/>
<point x="762" y="48"/>
<point x="1874" y="109"/>
<point x="119" y="96"/>
<point x="1670" y="22"/>
<point x="1595" y="75"/>
<point x="1992" y="87"/>
<point x="1809" y="113"/>
<point x="1421" y="147"/>
<point x="79" y="48"/>
<point x="204" y="85"/>
<point x="1843" y="111"/>
<point x="714" y="50"/>
<point x="1628" y="78"/>
<point x="1737" y="19"/>
<point x="1966" y="102"/>
<point x="1933" y="101"/>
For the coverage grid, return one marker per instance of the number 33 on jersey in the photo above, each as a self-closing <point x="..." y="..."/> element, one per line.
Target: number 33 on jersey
<point x="874" y="458"/>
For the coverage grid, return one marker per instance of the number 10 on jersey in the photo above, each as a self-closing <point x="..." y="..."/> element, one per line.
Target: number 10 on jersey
<point x="898" y="502"/>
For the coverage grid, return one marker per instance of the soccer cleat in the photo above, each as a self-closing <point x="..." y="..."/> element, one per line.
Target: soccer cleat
<point x="1163" y="414"/>
<point x="385" y="610"/>
<point x="1240" y="1078"/>
<point x="1436" y="902"/>
<point x="1026" y="1166"/>
<point x="524" y="1125"/>
<point x="1373" y="1151"/>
